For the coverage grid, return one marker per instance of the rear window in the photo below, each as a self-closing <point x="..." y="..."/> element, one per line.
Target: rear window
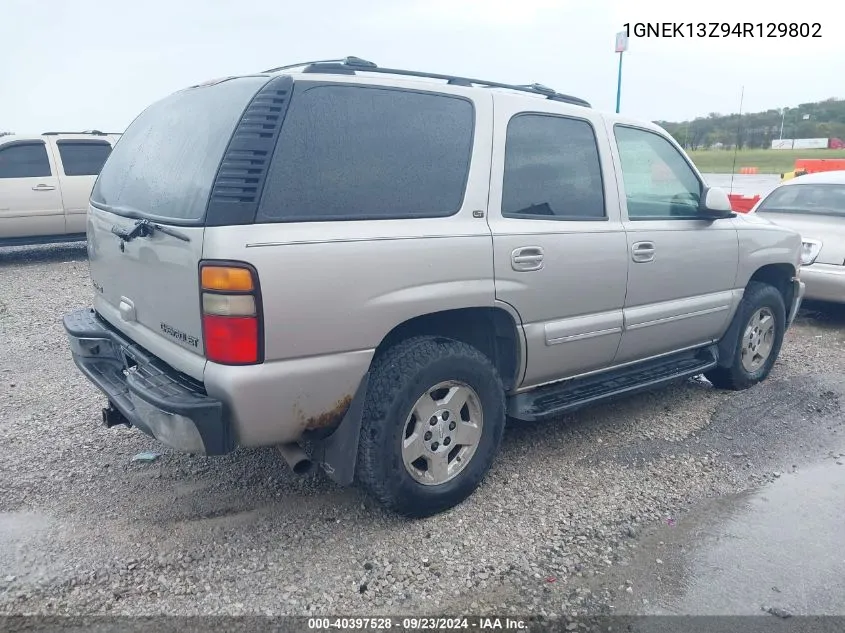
<point x="83" y="158"/>
<point x="818" y="199"/>
<point x="356" y="152"/>
<point x="165" y="163"/>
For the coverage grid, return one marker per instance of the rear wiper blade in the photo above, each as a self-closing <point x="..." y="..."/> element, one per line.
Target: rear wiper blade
<point x="172" y="232"/>
<point x="145" y="228"/>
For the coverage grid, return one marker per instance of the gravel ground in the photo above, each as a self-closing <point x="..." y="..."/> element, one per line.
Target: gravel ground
<point x="84" y="529"/>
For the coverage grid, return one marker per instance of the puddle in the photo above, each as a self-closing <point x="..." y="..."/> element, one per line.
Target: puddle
<point x="19" y="533"/>
<point x="17" y="526"/>
<point x="782" y="546"/>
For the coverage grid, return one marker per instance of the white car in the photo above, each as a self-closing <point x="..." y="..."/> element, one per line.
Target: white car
<point x="814" y="206"/>
<point x="45" y="183"/>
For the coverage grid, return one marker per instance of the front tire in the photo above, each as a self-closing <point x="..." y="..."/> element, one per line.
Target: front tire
<point x="762" y="318"/>
<point x="433" y="421"/>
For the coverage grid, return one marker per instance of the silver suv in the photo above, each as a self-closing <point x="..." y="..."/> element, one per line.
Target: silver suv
<point x="381" y="266"/>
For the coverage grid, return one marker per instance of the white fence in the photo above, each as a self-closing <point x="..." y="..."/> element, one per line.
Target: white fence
<point x="800" y="143"/>
<point x="810" y="143"/>
<point x="783" y="143"/>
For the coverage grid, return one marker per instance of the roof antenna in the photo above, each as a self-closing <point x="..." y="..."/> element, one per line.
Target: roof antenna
<point x="738" y="128"/>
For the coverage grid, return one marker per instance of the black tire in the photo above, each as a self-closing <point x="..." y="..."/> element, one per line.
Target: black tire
<point x="736" y="377"/>
<point x="398" y="378"/>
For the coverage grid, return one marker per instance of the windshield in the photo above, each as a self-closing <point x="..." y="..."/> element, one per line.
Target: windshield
<point x="818" y="199"/>
<point x="165" y="163"/>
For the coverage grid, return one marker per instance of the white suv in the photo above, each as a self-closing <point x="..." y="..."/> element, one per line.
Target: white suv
<point x="45" y="183"/>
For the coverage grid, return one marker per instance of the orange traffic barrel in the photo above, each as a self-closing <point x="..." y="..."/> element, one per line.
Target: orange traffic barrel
<point x="742" y="204"/>
<point x="815" y="165"/>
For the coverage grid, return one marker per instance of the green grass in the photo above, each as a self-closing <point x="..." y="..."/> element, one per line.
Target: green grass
<point x="767" y="161"/>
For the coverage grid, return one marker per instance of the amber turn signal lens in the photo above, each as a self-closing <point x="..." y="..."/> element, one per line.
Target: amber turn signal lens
<point x="226" y="278"/>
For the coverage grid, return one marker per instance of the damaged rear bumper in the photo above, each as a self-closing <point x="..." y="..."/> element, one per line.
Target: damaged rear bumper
<point x="145" y="392"/>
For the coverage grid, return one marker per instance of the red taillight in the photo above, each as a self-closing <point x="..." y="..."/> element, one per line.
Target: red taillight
<point x="231" y="340"/>
<point x="231" y="317"/>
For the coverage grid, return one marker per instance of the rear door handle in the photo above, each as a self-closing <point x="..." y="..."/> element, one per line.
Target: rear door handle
<point x="642" y="252"/>
<point x="43" y="188"/>
<point x="527" y="258"/>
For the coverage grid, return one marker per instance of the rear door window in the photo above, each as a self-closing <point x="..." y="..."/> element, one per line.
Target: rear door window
<point x="165" y="163"/>
<point x="552" y="169"/>
<point x="360" y="152"/>
<point x="24" y="160"/>
<point x="83" y="158"/>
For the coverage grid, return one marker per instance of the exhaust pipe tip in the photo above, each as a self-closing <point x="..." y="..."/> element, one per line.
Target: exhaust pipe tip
<point x="303" y="467"/>
<point x="296" y="458"/>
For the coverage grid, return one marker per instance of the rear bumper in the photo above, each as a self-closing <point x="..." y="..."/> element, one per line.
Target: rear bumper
<point x="825" y="282"/>
<point x="150" y="395"/>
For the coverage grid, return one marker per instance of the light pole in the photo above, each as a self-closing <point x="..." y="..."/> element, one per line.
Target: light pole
<point x="621" y="47"/>
<point x="782" y="116"/>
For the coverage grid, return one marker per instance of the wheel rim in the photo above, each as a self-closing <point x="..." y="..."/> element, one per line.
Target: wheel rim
<point x="442" y="432"/>
<point x="758" y="340"/>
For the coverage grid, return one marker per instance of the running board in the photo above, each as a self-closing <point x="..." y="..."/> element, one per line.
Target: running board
<point x="553" y="400"/>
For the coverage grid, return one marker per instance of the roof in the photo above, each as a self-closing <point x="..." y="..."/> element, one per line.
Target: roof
<point x="40" y="137"/>
<point x="86" y="132"/>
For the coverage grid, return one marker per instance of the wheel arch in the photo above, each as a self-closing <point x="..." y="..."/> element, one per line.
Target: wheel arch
<point x="494" y="331"/>
<point x="780" y="276"/>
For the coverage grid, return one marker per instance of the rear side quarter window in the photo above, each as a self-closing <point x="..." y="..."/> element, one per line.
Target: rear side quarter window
<point x="83" y="158"/>
<point x="363" y="152"/>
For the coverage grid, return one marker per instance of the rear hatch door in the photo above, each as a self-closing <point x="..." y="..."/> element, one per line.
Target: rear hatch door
<point x="147" y="215"/>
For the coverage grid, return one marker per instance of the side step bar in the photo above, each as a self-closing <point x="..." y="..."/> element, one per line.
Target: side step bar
<point x="551" y="401"/>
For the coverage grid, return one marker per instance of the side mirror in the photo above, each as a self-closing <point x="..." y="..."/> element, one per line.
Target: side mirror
<point x="716" y="205"/>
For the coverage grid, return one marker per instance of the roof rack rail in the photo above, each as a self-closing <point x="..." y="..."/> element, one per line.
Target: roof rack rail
<point x="349" y="66"/>
<point x="350" y="61"/>
<point x="92" y="132"/>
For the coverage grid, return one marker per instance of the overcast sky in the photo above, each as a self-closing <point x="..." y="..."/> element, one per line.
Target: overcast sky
<point x="81" y="64"/>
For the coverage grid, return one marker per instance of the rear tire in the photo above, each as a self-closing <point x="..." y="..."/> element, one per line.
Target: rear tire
<point x="762" y="318"/>
<point x="433" y="421"/>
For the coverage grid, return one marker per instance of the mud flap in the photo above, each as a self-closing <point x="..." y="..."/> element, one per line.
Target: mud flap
<point x="337" y="454"/>
<point x="726" y="347"/>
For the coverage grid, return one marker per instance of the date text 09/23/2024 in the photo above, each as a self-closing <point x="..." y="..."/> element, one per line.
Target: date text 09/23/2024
<point x="723" y="29"/>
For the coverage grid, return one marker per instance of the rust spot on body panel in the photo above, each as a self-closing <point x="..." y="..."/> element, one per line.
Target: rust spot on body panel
<point x="330" y="418"/>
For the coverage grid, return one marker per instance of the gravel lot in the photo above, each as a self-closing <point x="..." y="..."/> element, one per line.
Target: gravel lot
<point x="83" y="529"/>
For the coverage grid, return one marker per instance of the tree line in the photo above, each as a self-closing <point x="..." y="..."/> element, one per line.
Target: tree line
<point x="754" y="130"/>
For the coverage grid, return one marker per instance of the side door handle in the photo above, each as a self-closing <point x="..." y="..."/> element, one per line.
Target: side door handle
<point x="527" y="258"/>
<point x="43" y="187"/>
<point x="642" y="252"/>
